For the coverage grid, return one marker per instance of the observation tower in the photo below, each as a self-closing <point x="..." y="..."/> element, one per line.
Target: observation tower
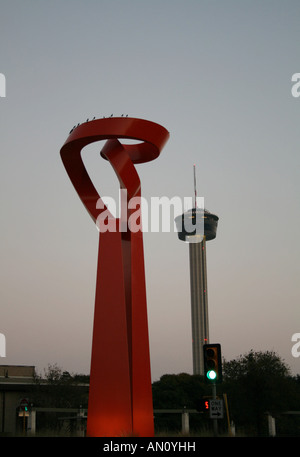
<point x="204" y="225"/>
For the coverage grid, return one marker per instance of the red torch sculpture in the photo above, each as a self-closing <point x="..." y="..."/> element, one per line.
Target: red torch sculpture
<point x="120" y="395"/>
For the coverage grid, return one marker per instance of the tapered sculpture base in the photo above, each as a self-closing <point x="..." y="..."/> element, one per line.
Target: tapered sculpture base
<point x="120" y="397"/>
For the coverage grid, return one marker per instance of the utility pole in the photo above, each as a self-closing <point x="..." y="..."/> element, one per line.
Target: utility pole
<point x="215" y="421"/>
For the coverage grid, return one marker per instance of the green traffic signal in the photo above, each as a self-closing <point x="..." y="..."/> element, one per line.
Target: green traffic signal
<point x="212" y="363"/>
<point x="211" y="375"/>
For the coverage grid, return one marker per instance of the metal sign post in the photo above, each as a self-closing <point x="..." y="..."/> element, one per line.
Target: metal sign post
<point x="24" y="403"/>
<point x="215" y="423"/>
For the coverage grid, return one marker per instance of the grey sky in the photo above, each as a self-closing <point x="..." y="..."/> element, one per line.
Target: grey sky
<point x="217" y="75"/>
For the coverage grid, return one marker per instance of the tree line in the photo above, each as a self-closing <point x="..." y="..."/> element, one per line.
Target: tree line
<point x="255" y="384"/>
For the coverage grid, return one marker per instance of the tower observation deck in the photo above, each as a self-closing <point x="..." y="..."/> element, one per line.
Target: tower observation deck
<point x="205" y="229"/>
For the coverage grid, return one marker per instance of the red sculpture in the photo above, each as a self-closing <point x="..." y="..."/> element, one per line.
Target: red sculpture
<point x="120" y="395"/>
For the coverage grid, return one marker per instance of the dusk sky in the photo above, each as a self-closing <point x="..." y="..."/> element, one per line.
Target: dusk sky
<point x="218" y="76"/>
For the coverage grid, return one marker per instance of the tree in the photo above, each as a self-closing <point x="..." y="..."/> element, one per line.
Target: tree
<point x="57" y="389"/>
<point x="257" y="383"/>
<point x="177" y="391"/>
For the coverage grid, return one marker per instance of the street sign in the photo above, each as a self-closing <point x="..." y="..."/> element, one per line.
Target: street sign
<point x="216" y="410"/>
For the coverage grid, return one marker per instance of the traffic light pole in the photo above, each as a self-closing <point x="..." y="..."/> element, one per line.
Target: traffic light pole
<point x="215" y="421"/>
<point x="213" y="373"/>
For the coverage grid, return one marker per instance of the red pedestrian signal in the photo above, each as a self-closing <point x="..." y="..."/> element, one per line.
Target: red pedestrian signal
<point x="203" y="406"/>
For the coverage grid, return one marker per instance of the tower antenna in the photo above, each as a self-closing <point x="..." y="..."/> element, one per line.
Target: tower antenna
<point x="195" y="188"/>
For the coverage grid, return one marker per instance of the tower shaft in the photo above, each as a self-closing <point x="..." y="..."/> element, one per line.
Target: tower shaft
<point x="198" y="285"/>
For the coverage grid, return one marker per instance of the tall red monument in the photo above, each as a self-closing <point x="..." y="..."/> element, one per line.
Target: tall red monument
<point x="120" y="396"/>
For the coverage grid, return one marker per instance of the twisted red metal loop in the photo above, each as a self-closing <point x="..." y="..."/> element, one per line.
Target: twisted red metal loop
<point x="152" y="135"/>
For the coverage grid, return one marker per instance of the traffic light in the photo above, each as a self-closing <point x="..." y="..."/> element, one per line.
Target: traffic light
<point x="212" y="363"/>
